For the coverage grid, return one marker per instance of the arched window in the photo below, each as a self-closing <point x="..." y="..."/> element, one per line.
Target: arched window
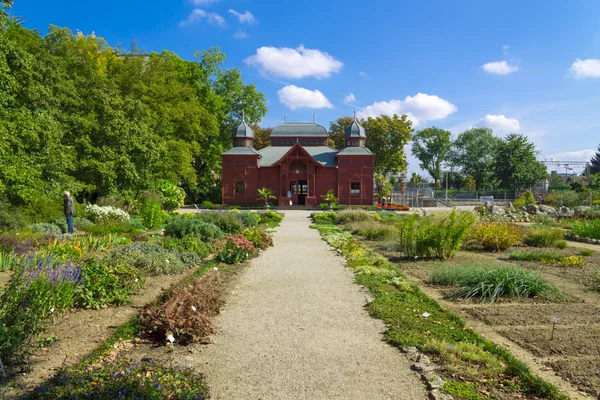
<point x="297" y="167"/>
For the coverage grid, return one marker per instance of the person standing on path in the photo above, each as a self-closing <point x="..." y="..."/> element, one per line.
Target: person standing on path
<point x="383" y="202"/>
<point x="69" y="209"/>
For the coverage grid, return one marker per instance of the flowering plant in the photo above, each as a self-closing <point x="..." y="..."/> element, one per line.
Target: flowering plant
<point x="234" y="249"/>
<point x="100" y="214"/>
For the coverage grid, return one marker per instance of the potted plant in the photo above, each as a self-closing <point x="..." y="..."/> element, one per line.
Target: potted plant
<point x="266" y="194"/>
<point x="330" y="198"/>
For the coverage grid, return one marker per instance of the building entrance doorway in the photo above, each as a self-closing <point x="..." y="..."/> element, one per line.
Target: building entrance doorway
<point x="302" y="192"/>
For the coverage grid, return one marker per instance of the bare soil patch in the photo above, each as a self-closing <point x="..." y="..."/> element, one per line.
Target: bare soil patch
<point x="581" y="373"/>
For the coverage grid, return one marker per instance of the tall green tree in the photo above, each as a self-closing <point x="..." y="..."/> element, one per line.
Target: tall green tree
<point x="431" y="147"/>
<point x="515" y="164"/>
<point x="262" y="137"/>
<point x="595" y="162"/>
<point x="386" y="138"/>
<point x="337" y="129"/>
<point x="473" y="152"/>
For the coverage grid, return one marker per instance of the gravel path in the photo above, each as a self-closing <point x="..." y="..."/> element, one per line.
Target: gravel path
<point x="295" y="328"/>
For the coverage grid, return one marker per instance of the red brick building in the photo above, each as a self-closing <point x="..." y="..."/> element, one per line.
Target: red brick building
<point x="299" y="166"/>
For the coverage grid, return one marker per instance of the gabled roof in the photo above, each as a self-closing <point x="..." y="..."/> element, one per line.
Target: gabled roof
<point x="298" y="130"/>
<point x="241" y="151"/>
<point x="323" y="155"/>
<point x="355" y="151"/>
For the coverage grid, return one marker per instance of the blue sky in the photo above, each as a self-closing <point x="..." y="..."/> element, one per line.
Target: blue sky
<point x="531" y="67"/>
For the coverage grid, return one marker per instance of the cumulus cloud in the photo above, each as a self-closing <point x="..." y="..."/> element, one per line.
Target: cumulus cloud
<point x="296" y="97"/>
<point x="589" y="68"/>
<point x="350" y="99"/>
<point x="297" y="63"/>
<point x="500" y="124"/>
<point x="246" y="17"/>
<point x="363" y="73"/>
<point x="419" y="108"/>
<point x="499" y="68"/>
<point x="240" y="35"/>
<point x="203" y="3"/>
<point x="575" y="155"/>
<point x="199" y="14"/>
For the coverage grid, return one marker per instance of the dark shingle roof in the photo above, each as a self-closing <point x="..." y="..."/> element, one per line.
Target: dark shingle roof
<point x="242" y="130"/>
<point x="355" y="151"/>
<point x="323" y="154"/>
<point x="297" y="130"/>
<point x="355" y="130"/>
<point x="241" y="151"/>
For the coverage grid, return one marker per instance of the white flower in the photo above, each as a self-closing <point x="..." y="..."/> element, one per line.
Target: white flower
<point x="426" y="314"/>
<point x="167" y="261"/>
<point x="51" y="309"/>
<point x="216" y="269"/>
<point x="193" y="308"/>
<point x="136" y="280"/>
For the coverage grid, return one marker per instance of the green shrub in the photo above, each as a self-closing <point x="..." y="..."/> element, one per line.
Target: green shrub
<point x="250" y="219"/>
<point x="586" y="252"/>
<point x="112" y="228"/>
<point x="560" y="244"/>
<point x="82" y="223"/>
<point x="234" y="249"/>
<point x="106" y="284"/>
<point x="45" y="228"/>
<point x="152" y="259"/>
<point x="567" y="198"/>
<point x="152" y="214"/>
<point x="270" y="218"/>
<point x="228" y="222"/>
<point x="586" y="229"/>
<point x="542" y="237"/>
<point x="180" y="227"/>
<point x="115" y="201"/>
<point x="433" y="237"/>
<point x="542" y="256"/>
<point x="488" y="284"/>
<point x="172" y="196"/>
<point x="493" y="236"/>
<point x="259" y="239"/>
<point x="189" y="244"/>
<point x="324" y="218"/>
<point x="378" y="233"/>
<point x="62" y="224"/>
<point x="106" y="214"/>
<point x="524" y="199"/>
<point x="347" y="216"/>
<point x="124" y="379"/>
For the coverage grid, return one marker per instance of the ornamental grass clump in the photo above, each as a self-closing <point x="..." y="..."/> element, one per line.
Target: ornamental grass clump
<point x="153" y="259"/>
<point x="539" y="236"/>
<point x="179" y="227"/>
<point x="586" y="229"/>
<point x="234" y="249"/>
<point x="99" y="214"/>
<point x="379" y="233"/>
<point x="493" y="236"/>
<point x="324" y="218"/>
<point x="488" y="284"/>
<point x="124" y="379"/>
<point x="348" y="216"/>
<point x="550" y="258"/>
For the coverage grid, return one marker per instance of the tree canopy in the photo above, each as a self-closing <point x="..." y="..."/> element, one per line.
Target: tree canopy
<point x="595" y="162"/>
<point x="431" y="147"/>
<point x="515" y="164"/>
<point x="473" y="153"/>
<point x="386" y="138"/>
<point x="80" y="115"/>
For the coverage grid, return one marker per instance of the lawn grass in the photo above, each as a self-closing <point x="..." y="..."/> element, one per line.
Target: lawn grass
<point x="401" y="306"/>
<point x="479" y="282"/>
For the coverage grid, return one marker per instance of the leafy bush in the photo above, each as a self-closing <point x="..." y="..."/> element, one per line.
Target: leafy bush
<point x="111" y="228"/>
<point x="152" y="214"/>
<point x="346" y="216"/>
<point x="586" y="252"/>
<point x="524" y="199"/>
<point x="104" y="284"/>
<point x="567" y="198"/>
<point x="81" y="223"/>
<point x="12" y="218"/>
<point x="189" y="244"/>
<point x="180" y="227"/>
<point x="493" y="236"/>
<point x="259" y="239"/>
<point x="433" y="237"/>
<point x="234" y="249"/>
<point x="270" y="218"/>
<point x="586" y="229"/>
<point x="115" y="201"/>
<point x="61" y="223"/>
<point x="35" y="291"/>
<point x="185" y="314"/>
<point x="548" y="258"/>
<point x="250" y="219"/>
<point x="324" y="218"/>
<point x="379" y="233"/>
<point x="542" y="237"/>
<point x="228" y="222"/>
<point x="105" y="214"/>
<point x="172" y="195"/>
<point x="466" y="359"/>
<point x="124" y="379"/>
<point x="488" y="284"/>
<point x="45" y="228"/>
<point x="152" y="259"/>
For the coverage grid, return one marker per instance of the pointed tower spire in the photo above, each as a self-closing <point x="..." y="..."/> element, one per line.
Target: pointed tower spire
<point x="284" y="119"/>
<point x="314" y="118"/>
<point x="355" y="114"/>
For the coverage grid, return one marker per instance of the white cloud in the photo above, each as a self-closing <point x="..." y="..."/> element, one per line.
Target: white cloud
<point x="589" y="68"/>
<point x="575" y="155"/>
<point x="363" y="73"/>
<point x="203" y="3"/>
<point x="505" y="49"/>
<point x="350" y="99"/>
<point x="294" y="63"/>
<point x="499" y="68"/>
<point x="500" y="124"/>
<point x="419" y="108"/>
<point x="296" y="97"/>
<point x="199" y="14"/>
<point x="246" y="17"/>
<point x="240" y="35"/>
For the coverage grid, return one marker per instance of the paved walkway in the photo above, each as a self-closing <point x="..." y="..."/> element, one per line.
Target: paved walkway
<point x="296" y="329"/>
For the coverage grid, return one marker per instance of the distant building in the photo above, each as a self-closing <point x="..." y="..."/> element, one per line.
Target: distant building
<point x="299" y="166"/>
